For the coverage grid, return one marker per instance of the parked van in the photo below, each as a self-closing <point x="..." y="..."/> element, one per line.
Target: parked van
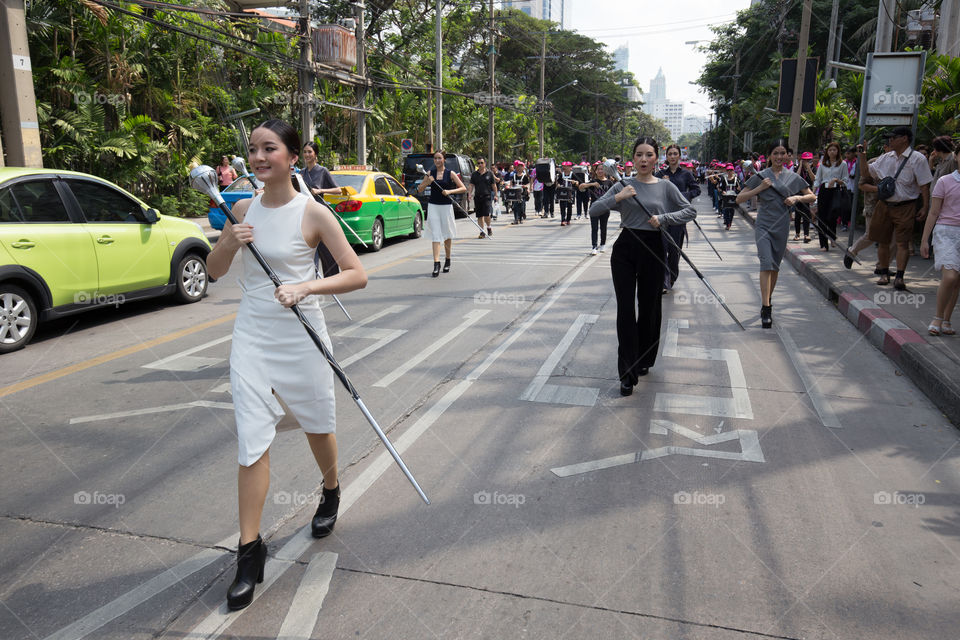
<point x="460" y="164"/>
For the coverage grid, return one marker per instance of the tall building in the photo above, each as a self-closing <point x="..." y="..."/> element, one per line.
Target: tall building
<point x="695" y="124"/>
<point x="658" y="88"/>
<point x="558" y="11"/>
<point x="671" y="113"/>
<point x="621" y="57"/>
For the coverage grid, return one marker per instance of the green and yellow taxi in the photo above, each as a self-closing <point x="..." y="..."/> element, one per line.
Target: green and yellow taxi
<point x="375" y="208"/>
<point x="71" y="241"/>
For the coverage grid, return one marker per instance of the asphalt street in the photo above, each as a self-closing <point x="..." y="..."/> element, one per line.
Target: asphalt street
<point x="784" y="483"/>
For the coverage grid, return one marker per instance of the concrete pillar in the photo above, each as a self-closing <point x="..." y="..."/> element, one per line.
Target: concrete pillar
<point x="948" y="34"/>
<point x="18" y="104"/>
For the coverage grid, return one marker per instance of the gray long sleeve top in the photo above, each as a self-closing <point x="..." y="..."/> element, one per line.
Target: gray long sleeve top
<point x="661" y="199"/>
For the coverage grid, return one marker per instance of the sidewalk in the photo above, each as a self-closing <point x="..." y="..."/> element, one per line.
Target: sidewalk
<point x="894" y="321"/>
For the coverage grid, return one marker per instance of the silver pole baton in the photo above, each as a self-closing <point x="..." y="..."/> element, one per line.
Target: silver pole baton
<point x="455" y="203"/>
<point x="203" y="179"/>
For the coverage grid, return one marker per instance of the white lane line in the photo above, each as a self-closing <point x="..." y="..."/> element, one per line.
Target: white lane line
<point x="383" y="337"/>
<point x="353" y="328"/>
<point x="468" y="320"/>
<point x="737" y="406"/>
<point x="539" y="391"/>
<point x="749" y="449"/>
<point x="184" y="362"/>
<point x="305" y="609"/>
<point x="827" y="415"/>
<point x="112" y="610"/>
<point x="386" y="337"/>
<point x="218" y="621"/>
<point x="148" y="410"/>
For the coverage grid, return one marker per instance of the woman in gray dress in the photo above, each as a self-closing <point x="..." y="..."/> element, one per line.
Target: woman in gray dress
<point x="778" y="190"/>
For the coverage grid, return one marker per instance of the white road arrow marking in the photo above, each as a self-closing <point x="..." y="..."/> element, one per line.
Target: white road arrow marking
<point x="540" y="391"/>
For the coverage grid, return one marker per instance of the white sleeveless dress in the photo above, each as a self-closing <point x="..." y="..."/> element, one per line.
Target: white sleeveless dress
<point x="271" y="350"/>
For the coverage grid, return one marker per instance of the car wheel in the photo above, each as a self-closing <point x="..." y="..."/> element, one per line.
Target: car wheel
<point x="417" y="226"/>
<point x="18" y="318"/>
<point x="191" y="278"/>
<point x="376" y="235"/>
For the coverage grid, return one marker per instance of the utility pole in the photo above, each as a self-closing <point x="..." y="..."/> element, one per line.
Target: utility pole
<point x="439" y="56"/>
<point x="305" y="75"/>
<point x="541" y="105"/>
<point x="736" y="94"/>
<point x="885" y="12"/>
<point x="801" y="75"/>
<point x="948" y="42"/>
<point x="430" y="116"/>
<point x="18" y="103"/>
<point x="493" y="87"/>
<point x="362" y="89"/>
<point x="832" y="39"/>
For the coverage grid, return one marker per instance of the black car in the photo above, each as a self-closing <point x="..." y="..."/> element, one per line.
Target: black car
<point x="457" y="163"/>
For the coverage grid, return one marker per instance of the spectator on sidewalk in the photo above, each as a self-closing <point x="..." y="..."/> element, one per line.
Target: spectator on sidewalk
<point x="225" y="173"/>
<point x="943" y="224"/>
<point x="895" y="216"/>
<point x="943" y="158"/>
<point x="829" y="183"/>
<point x="869" y="191"/>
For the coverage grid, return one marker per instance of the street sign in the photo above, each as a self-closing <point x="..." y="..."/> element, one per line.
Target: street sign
<point x="788" y="75"/>
<point x="406" y="146"/>
<point x="894" y="88"/>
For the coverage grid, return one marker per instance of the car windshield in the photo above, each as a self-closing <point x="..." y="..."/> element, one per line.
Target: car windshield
<point x="349" y="180"/>
<point x="241" y="184"/>
<point x="410" y="164"/>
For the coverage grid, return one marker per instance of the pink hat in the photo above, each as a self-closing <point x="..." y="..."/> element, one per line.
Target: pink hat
<point x="566" y="163"/>
<point x="629" y="164"/>
<point x="728" y="167"/>
<point x="806" y="155"/>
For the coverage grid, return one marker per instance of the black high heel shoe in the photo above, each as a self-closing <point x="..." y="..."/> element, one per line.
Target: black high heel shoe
<point x="436" y="269"/>
<point x="446" y="265"/>
<point x="766" y="316"/>
<point x="250" y="560"/>
<point x="326" y="516"/>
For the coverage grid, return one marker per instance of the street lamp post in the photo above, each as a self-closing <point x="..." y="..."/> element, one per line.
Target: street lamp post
<point x="543" y="107"/>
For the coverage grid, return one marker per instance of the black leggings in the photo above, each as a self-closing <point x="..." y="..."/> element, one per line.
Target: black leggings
<point x="826" y="217"/>
<point x="801" y="220"/>
<point x="583" y="202"/>
<point x="601" y="222"/>
<point x="637" y="264"/>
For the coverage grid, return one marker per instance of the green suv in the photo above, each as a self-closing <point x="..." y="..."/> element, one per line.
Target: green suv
<point x="70" y="242"/>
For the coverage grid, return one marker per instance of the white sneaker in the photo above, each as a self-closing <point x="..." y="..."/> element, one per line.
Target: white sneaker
<point x="603" y="248"/>
<point x="593" y="251"/>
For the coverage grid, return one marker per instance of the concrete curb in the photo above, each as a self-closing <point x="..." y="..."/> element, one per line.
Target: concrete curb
<point x="928" y="368"/>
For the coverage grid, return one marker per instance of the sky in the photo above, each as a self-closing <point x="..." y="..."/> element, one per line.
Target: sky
<point x="656" y="32"/>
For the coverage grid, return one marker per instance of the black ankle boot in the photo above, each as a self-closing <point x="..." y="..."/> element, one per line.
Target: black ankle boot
<point x="250" y="560"/>
<point x="436" y="269"/>
<point x="446" y="265"/>
<point x="326" y="515"/>
<point x="766" y="316"/>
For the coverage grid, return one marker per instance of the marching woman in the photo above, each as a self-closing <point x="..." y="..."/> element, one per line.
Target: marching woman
<point x="599" y="185"/>
<point x="440" y="220"/>
<point x="687" y="184"/>
<point x="778" y="189"/>
<point x="638" y="258"/>
<point x="272" y="356"/>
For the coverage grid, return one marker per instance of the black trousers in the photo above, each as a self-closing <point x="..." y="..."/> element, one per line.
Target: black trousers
<point x="637" y="263"/>
<point x="549" y="193"/>
<point x="801" y="220"/>
<point x="826" y="217"/>
<point x="677" y="232"/>
<point x="583" y="202"/>
<point x="566" y="210"/>
<point x="599" y="223"/>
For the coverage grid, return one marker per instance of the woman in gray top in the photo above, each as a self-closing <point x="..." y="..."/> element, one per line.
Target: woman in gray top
<point x="638" y="258"/>
<point x="778" y="189"/>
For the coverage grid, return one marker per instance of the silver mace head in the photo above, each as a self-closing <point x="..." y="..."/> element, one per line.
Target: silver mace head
<point x="239" y="165"/>
<point x="610" y="169"/>
<point x="421" y="169"/>
<point x="204" y="179"/>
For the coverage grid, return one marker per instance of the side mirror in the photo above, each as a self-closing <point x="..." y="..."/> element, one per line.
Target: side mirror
<point x="150" y="215"/>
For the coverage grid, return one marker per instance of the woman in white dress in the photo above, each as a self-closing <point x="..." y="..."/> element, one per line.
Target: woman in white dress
<point x="440" y="219"/>
<point x="271" y="354"/>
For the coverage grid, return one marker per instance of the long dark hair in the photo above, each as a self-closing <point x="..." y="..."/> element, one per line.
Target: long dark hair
<point x="287" y="134"/>
<point x="646" y="140"/>
<point x="779" y="142"/>
<point x="670" y="146"/>
<point x="826" y="155"/>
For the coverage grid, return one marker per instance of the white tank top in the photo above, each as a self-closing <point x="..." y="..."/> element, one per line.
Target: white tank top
<point x="278" y="234"/>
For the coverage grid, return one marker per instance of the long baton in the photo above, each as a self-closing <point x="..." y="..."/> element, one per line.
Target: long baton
<point x="203" y="179"/>
<point x="846" y="251"/>
<point x="612" y="172"/>
<point x="694" y="221"/>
